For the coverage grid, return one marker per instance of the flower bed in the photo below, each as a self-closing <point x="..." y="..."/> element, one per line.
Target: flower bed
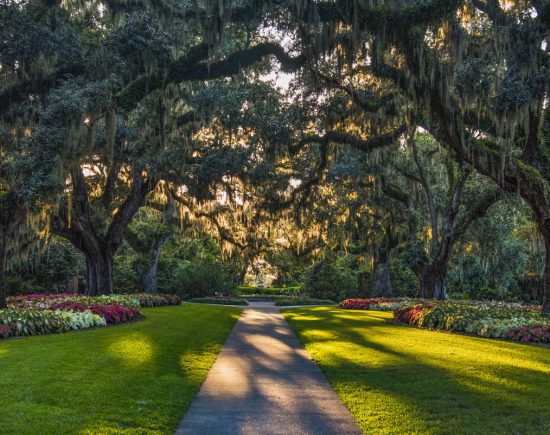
<point x="137" y="300"/>
<point x="486" y="319"/>
<point x="39" y="314"/>
<point x="112" y="313"/>
<point x="17" y="322"/>
<point x="45" y="302"/>
<point x="376" y="304"/>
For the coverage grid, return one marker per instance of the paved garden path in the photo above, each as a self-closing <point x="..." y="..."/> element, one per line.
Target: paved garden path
<point x="264" y="382"/>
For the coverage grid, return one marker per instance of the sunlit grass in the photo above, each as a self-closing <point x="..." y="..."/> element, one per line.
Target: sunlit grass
<point x="398" y="379"/>
<point x="134" y="349"/>
<point x="134" y="378"/>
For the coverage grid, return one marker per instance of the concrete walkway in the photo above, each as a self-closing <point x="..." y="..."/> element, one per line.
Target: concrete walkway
<point x="264" y="382"/>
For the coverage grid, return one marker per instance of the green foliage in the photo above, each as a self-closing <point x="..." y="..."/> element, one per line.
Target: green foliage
<point x="218" y="301"/>
<point x="301" y="301"/>
<point x="404" y="281"/>
<point x="48" y="271"/>
<point x="495" y="255"/>
<point x="269" y="291"/>
<point x="331" y="280"/>
<point x="195" y="279"/>
<point x="125" y="277"/>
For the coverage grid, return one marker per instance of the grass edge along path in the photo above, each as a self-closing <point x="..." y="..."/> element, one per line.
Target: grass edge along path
<point x="134" y="378"/>
<point x="396" y="379"/>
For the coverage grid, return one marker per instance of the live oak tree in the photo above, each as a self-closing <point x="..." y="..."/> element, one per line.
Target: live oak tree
<point x="96" y="78"/>
<point x="251" y="118"/>
<point x="96" y="105"/>
<point x="354" y="120"/>
<point x="473" y="73"/>
<point x="501" y="256"/>
<point x="451" y="200"/>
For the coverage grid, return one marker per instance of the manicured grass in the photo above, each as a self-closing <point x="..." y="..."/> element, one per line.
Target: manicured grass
<point x="397" y="379"/>
<point x="133" y="378"/>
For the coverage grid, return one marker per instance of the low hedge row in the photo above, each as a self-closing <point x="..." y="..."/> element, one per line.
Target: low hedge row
<point x="290" y="302"/>
<point x="218" y="301"/>
<point x="269" y="291"/>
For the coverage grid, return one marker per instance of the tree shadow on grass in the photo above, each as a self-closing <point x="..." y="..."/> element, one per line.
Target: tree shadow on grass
<point x="420" y="381"/>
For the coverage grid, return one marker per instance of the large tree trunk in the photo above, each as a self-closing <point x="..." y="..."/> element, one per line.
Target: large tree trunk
<point x="99" y="267"/>
<point x="80" y="228"/>
<point x="542" y="214"/>
<point x="11" y="219"/>
<point x="544" y="225"/>
<point x="432" y="282"/>
<point x="148" y="274"/>
<point x="382" y="281"/>
<point x="546" y="281"/>
<point x="243" y="271"/>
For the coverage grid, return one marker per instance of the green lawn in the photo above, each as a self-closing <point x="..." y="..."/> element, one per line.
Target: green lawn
<point x="134" y="378"/>
<point x="398" y="379"/>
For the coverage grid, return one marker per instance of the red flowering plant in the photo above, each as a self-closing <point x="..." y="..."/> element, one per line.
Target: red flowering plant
<point x="535" y="333"/>
<point x="4" y="331"/>
<point x="112" y="313"/>
<point x="409" y="314"/>
<point x="116" y="313"/>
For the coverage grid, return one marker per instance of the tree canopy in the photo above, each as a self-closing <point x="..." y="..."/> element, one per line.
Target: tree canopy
<point x="405" y="127"/>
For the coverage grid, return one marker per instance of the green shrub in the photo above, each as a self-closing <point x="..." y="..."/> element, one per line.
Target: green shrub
<point x="269" y="291"/>
<point x="298" y="301"/>
<point x="17" y="285"/>
<point x="404" y="281"/>
<point x="218" y="301"/>
<point x="125" y="278"/>
<point x="198" y="278"/>
<point x="49" y="271"/>
<point x="330" y="281"/>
